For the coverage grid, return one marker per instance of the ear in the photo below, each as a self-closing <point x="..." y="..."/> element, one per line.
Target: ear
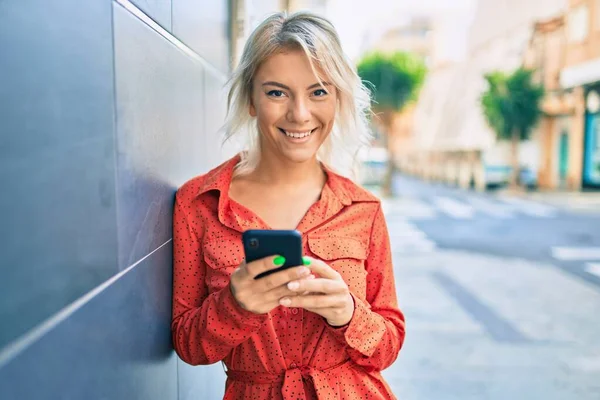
<point x="251" y="108"/>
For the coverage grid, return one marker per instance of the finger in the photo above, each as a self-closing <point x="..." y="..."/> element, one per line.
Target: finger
<point x="278" y="293"/>
<point x="320" y="285"/>
<point x="317" y="301"/>
<point x="322" y="269"/>
<point x="241" y="271"/>
<point x="257" y="267"/>
<point x="281" y="278"/>
<point x="266" y="264"/>
<point x="269" y="306"/>
<point x="310" y="277"/>
<point x="298" y="292"/>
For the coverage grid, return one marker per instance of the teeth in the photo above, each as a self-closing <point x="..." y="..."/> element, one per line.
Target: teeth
<point x="299" y="135"/>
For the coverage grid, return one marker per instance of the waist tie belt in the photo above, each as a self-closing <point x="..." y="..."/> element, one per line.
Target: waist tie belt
<point x="293" y="380"/>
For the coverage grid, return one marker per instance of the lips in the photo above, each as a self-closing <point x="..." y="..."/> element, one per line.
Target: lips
<point x="297" y="134"/>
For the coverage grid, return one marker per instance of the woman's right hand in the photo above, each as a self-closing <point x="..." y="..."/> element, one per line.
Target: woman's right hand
<point x="262" y="295"/>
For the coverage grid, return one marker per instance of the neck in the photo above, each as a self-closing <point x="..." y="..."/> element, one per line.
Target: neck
<point x="284" y="172"/>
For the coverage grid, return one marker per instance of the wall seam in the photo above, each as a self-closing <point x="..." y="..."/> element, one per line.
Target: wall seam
<point x="143" y="17"/>
<point x="115" y="133"/>
<point x="16" y="347"/>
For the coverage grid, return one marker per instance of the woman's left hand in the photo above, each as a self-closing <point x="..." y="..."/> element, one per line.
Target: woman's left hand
<point x="327" y="295"/>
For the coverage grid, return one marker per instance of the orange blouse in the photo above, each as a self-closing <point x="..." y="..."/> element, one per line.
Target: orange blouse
<point x="289" y="353"/>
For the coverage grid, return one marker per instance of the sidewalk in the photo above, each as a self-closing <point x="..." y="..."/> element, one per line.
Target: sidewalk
<point x="575" y="201"/>
<point x="480" y="327"/>
<point x="483" y="327"/>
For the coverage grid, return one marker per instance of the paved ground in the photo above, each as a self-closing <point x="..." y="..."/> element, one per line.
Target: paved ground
<point x="501" y="297"/>
<point x="455" y="219"/>
<point x="574" y="201"/>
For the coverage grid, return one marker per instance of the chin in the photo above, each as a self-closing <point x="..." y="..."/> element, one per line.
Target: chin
<point x="299" y="156"/>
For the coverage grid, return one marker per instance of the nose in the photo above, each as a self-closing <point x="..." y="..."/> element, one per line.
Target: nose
<point x="299" y="111"/>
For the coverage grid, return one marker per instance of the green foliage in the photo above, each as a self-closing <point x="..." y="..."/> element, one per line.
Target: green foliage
<point x="395" y="78"/>
<point x="512" y="103"/>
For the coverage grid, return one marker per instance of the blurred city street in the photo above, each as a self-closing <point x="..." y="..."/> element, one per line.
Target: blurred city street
<point x="500" y="294"/>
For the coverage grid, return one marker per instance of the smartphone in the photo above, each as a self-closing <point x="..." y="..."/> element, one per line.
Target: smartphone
<point x="260" y="243"/>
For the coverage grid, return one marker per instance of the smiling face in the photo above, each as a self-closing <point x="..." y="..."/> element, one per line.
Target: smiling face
<point x="295" y="114"/>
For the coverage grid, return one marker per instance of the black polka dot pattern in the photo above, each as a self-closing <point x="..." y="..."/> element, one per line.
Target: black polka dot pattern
<point x="288" y="353"/>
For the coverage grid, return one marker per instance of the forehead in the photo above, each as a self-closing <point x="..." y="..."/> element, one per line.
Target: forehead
<point x="289" y="67"/>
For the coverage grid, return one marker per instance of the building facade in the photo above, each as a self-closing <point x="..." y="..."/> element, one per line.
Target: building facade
<point x="582" y="75"/>
<point x="456" y="145"/>
<point x="416" y="36"/>
<point x="564" y="51"/>
<point x="546" y="55"/>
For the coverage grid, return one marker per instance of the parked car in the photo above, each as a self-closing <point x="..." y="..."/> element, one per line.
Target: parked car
<point x="528" y="178"/>
<point x="498" y="176"/>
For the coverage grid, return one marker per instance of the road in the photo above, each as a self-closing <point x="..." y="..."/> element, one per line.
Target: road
<point x="501" y="296"/>
<point x="457" y="219"/>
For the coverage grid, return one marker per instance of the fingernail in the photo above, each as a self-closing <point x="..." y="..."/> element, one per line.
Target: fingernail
<point x="303" y="271"/>
<point x="285" y="302"/>
<point x="279" y="261"/>
<point x="293" y="285"/>
<point x="311" y="276"/>
<point x="305" y="260"/>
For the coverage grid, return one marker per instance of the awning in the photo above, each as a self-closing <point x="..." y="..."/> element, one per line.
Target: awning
<point x="581" y="74"/>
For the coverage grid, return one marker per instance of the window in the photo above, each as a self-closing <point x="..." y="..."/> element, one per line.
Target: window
<point x="579" y="23"/>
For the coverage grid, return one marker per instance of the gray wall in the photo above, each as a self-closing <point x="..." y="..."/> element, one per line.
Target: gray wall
<point x="103" y="114"/>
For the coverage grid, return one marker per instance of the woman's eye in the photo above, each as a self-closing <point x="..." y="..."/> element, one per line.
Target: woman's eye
<point x="276" y="93"/>
<point x="320" y="92"/>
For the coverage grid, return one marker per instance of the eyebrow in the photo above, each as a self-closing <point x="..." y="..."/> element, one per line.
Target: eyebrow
<point x="281" y="85"/>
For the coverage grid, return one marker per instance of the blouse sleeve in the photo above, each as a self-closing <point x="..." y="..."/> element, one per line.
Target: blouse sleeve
<point x="376" y="332"/>
<point x="205" y="327"/>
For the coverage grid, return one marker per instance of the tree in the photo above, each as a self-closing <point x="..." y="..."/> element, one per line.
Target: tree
<point x="512" y="107"/>
<point x="395" y="80"/>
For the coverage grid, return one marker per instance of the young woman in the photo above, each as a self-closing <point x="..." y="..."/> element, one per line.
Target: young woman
<point x="322" y="330"/>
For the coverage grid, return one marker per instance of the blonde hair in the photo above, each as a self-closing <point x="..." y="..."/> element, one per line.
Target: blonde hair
<point x="317" y="37"/>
